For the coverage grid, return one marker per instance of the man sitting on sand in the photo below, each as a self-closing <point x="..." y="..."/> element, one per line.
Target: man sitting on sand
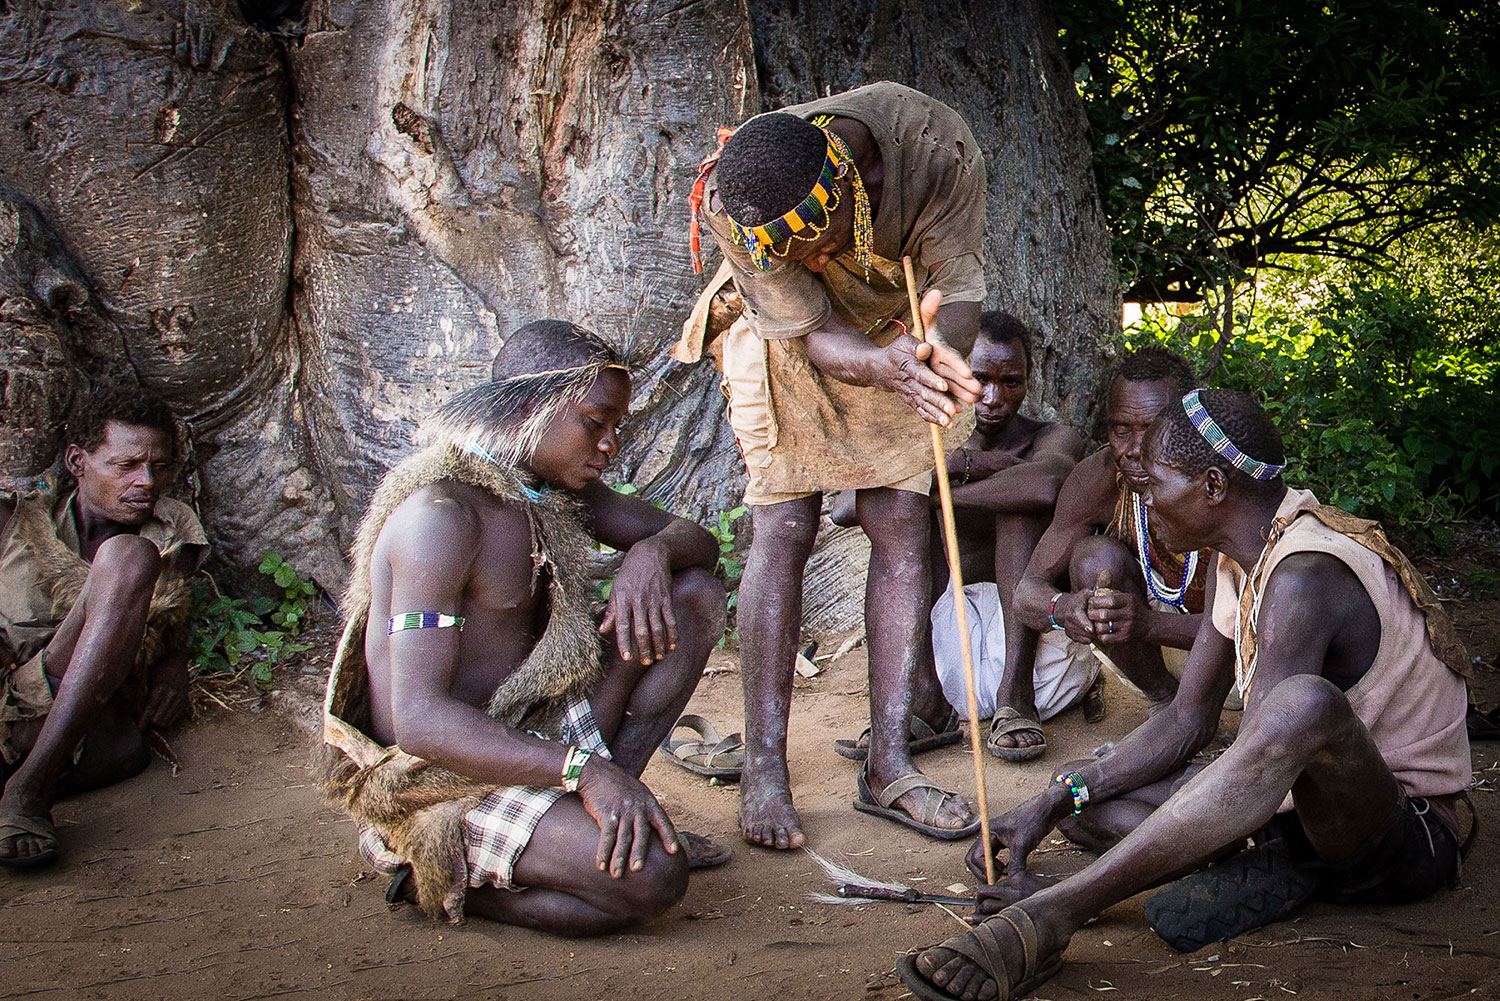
<point x="473" y="727"/>
<point x="1155" y="598"/>
<point x="93" y="648"/>
<point x="1350" y="761"/>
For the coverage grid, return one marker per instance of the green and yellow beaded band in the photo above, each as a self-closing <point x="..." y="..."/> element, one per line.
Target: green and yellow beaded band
<point x="572" y="769"/>
<point x="1077" y="787"/>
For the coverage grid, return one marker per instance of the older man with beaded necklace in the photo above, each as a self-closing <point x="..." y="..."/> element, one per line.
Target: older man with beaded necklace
<point x="1349" y="765"/>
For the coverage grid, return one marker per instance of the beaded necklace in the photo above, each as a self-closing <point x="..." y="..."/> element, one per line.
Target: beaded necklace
<point x="1167" y="596"/>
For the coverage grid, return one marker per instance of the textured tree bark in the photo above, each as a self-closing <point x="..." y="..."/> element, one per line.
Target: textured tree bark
<point x="305" y="244"/>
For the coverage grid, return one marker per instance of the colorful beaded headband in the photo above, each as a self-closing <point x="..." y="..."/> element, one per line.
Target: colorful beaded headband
<point x="1219" y="441"/>
<point x="802" y="222"/>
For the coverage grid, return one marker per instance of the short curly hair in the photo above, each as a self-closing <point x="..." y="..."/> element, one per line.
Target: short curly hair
<point x="547" y="345"/>
<point x="131" y="406"/>
<point x="1154" y="363"/>
<point x="1003" y="328"/>
<point x="769" y="166"/>
<point x="1178" y="444"/>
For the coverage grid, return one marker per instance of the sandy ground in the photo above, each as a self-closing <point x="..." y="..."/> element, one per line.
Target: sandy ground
<point x="232" y="880"/>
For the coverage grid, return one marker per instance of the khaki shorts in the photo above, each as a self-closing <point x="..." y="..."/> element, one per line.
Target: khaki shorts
<point x="24" y="695"/>
<point x="750" y="417"/>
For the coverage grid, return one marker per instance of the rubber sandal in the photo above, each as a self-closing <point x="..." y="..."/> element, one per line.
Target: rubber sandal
<point x="880" y="806"/>
<point x="1009" y="720"/>
<point x="705" y="754"/>
<point x="1254" y="888"/>
<point x="1093" y="702"/>
<point x="982" y="948"/>
<point x="701" y="852"/>
<point x="15" y="825"/>
<point x="920" y="737"/>
<point x="398" y="880"/>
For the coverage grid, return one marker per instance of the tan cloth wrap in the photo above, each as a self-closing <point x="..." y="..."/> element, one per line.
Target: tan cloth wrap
<point x="1410" y="701"/>
<point x="801" y="431"/>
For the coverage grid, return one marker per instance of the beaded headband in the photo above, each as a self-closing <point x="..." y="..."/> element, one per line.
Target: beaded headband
<point x="1219" y="441"/>
<point x="802" y="221"/>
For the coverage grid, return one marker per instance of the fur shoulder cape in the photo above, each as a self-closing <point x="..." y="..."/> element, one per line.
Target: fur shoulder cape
<point x="418" y="808"/>
<point x="61" y="574"/>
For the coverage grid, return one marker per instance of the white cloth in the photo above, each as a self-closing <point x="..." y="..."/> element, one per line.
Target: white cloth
<point x="1063" y="671"/>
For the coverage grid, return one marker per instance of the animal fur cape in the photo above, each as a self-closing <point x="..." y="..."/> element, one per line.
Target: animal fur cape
<point x="416" y="807"/>
<point x="61" y="574"/>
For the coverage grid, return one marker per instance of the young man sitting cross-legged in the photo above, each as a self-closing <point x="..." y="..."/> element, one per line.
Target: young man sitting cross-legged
<point x="1350" y="761"/>
<point x="473" y="725"/>
<point x="92" y="608"/>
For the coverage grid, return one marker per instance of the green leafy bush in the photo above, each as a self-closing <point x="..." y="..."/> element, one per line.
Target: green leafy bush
<point x="226" y="631"/>
<point x="1388" y="405"/>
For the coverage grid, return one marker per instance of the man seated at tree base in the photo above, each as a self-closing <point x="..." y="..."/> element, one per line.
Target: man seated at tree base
<point x="1005" y="480"/>
<point x="472" y="725"/>
<point x="1353" y="746"/>
<point x="93" y="649"/>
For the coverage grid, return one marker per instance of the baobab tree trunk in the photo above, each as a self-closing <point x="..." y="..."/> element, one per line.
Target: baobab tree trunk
<point x="304" y="243"/>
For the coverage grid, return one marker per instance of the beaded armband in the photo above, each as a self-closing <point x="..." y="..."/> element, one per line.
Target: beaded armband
<point x="572" y="769"/>
<point x="1052" y="611"/>
<point x="1077" y="787"/>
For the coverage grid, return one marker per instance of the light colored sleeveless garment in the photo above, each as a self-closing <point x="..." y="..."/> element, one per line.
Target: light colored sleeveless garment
<point x="1411" y="701"/>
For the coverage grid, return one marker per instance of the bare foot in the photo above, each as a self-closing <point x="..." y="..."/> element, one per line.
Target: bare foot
<point x="767" y="816"/>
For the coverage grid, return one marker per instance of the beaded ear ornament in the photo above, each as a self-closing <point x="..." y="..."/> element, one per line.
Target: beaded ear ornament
<point x="807" y="220"/>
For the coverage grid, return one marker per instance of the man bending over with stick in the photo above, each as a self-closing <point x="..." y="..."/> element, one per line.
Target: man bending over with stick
<point x="93" y="610"/>
<point x="473" y="727"/>
<point x="813" y="208"/>
<point x="1349" y="764"/>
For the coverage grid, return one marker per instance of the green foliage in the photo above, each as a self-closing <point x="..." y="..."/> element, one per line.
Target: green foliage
<point x="1384" y="386"/>
<point x="225" y="631"/>
<point x="728" y="568"/>
<point x="1227" y="133"/>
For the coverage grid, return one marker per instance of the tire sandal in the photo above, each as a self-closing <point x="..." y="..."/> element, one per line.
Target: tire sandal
<point x="15" y="826"/>
<point x="1009" y="720"/>
<point x="701" y="852"/>
<point x="920" y="737"/>
<point x="982" y="948"/>
<point x="1244" y="892"/>
<point x="705" y="754"/>
<point x="924" y="819"/>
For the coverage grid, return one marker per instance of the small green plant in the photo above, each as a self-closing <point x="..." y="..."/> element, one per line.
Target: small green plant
<point x="225" y="631"/>
<point x="729" y="568"/>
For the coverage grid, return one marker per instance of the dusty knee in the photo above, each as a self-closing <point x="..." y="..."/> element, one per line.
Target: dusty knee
<point x="698" y="600"/>
<point x="1302" y="709"/>
<point x="125" y="565"/>
<point x="787" y="527"/>
<point x="1097" y="553"/>
<point x="661" y="883"/>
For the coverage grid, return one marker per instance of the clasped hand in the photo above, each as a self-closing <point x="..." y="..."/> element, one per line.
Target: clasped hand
<point x="932" y="378"/>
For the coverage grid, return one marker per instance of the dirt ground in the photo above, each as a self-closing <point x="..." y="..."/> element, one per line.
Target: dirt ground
<point x="232" y="880"/>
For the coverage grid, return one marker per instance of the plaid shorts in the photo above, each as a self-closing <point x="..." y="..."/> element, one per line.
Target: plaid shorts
<point x="499" y="828"/>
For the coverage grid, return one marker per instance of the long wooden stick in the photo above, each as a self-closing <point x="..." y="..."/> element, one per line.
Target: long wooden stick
<point x="960" y="606"/>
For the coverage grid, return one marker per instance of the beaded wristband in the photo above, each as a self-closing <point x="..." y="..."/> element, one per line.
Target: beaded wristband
<point x="572" y="769"/>
<point x="1077" y="787"/>
<point x="1052" y="610"/>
